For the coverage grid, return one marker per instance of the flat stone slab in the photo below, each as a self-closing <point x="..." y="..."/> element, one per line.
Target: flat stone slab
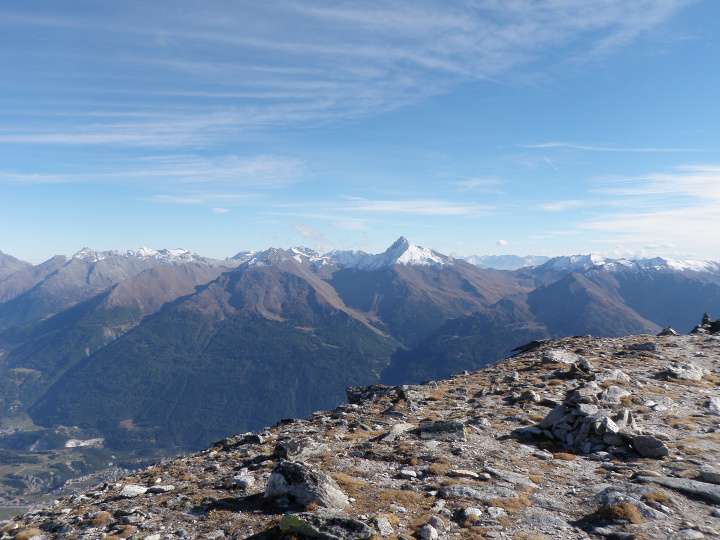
<point x="480" y="493"/>
<point x="129" y="491"/>
<point x="440" y="430"/>
<point x="326" y="528"/>
<point x="513" y="478"/>
<point x="707" y="491"/>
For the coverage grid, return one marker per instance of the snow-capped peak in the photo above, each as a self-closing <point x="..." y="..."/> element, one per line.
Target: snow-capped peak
<point x="403" y="252"/>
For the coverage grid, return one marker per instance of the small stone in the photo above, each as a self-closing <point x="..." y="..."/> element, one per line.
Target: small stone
<point x="383" y="526"/>
<point x="613" y="395"/>
<point x="472" y="513"/>
<point x="437" y="523"/>
<point x="650" y="447"/>
<point x="714" y="404"/>
<point x="244" y="481"/>
<point x="611" y="375"/>
<point x="584" y="409"/>
<point x="408" y="474"/>
<point x="462" y="473"/>
<point x="496" y="512"/>
<point x="428" y="532"/>
<point x="396" y="431"/>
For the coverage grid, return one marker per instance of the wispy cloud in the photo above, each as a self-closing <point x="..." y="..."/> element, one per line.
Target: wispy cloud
<point x="256" y="65"/>
<point x="559" y="206"/>
<point x="478" y="183"/>
<point x="419" y="207"/>
<point x="188" y="178"/>
<point x="597" y="148"/>
<point x="680" y="207"/>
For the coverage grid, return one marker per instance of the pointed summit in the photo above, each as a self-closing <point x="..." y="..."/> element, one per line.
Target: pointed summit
<point x="404" y="252"/>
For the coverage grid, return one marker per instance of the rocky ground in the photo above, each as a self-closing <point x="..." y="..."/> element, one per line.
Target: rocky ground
<point x="573" y="438"/>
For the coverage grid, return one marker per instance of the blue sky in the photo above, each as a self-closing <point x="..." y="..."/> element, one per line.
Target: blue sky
<point x="471" y="127"/>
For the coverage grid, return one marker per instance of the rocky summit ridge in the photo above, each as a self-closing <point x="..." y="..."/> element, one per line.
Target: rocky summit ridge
<point x="571" y="438"/>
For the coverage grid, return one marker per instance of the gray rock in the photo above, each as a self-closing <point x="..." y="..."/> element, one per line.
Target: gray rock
<point x="613" y="394"/>
<point x="513" y="478"/>
<point x="710" y="476"/>
<point x="584" y="409"/>
<point x="471" y="512"/>
<point x="686" y="534"/>
<point x="496" y="512"/>
<point x="360" y="394"/>
<point x="325" y="527"/>
<point x="481" y="493"/>
<point x="440" y="430"/>
<point x="558" y="356"/>
<point x="129" y="491"/>
<point x="161" y="488"/>
<point x="686" y="370"/>
<point x="644" y="346"/>
<point x="299" y="449"/>
<point x="542" y="520"/>
<point x="413" y="392"/>
<point x="611" y="375"/>
<point x="428" y="532"/>
<point x="713" y="404"/>
<point x="668" y="332"/>
<point x="707" y="491"/>
<point x="437" y="523"/>
<point x="396" y="431"/>
<point x="650" y="447"/>
<point x="305" y="484"/>
<point x="244" y="481"/>
<point x="557" y="414"/>
<point x="383" y="526"/>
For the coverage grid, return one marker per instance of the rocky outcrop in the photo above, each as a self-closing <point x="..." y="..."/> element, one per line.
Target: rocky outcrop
<point x="573" y="438"/>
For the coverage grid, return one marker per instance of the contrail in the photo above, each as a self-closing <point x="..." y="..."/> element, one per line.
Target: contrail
<point x="553" y="166"/>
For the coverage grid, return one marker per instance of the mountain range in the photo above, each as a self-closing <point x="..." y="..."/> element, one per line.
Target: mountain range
<point x="167" y="350"/>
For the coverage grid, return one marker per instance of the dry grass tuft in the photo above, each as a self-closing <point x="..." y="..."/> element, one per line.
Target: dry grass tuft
<point x="621" y="511"/>
<point x="101" y="518"/>
<point x="564" y="456"/>
<point x="511" y="506"/>
<point x="656" y="496"/>
<point x="26" y="534"/>
<point x="439" y="469"/>
<point x="351" y="485"/>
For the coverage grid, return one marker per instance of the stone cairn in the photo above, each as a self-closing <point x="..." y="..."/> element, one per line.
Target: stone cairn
<point x="586" y="419"/>
<point x="707" y="326"/>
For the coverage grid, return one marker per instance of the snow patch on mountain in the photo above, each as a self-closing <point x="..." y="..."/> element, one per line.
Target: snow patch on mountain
<point x="166" y="256"/>
<point x="585" y="263"/>
<point x="504" y="262"/>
